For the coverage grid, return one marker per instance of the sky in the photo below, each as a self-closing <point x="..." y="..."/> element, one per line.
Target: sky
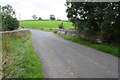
<point x="42" y="8"/>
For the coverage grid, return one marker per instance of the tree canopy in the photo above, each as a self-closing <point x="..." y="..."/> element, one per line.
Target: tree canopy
<point x="39" y="18"/>
<point x="34" y="17"/>
<point x="52" y="17"/>
<point x="9" y="21"/>
<point x="95" y="16"/>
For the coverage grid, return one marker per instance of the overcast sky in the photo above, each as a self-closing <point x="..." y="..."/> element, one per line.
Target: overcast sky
<point x="42" y="8"/>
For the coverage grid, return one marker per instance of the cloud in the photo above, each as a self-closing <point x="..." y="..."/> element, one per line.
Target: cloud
<point x="42" y="8"/>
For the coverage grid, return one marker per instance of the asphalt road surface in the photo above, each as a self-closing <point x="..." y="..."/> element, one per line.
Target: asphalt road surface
<point x="65" y="59"/>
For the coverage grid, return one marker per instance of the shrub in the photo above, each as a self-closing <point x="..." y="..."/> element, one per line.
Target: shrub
<point x="55" y="31"/>
<point x="61" y="26"/>
<point x="9" y="23"/>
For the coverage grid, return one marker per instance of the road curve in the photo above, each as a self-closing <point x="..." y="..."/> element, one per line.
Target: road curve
<point x="65" y="59"/>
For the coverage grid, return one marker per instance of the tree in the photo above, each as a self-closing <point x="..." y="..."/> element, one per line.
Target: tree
<point x="0" y="19"/>
<point x="34" y="17"/>
<point x="95" y="17"/>
<point x="39" y="18"/>
<point x="52" y="17"/>
<point x="9" y="21"/>
<point x="58" y="19"/>
<point x="8" y="10"/>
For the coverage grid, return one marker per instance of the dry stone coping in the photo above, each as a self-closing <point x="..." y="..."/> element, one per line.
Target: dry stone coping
<point x="15" y="31"/>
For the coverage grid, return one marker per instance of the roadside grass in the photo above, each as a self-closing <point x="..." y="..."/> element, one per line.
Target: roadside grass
<point x="45" y="24"/>
<point x="19" y="58"/>
<point x="113" y="50"/>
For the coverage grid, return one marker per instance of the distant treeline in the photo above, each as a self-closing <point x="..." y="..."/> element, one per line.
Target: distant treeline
<point x="45" y="20"/>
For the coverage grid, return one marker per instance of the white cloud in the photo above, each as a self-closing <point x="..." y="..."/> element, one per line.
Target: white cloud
<point x="42" y="8"/>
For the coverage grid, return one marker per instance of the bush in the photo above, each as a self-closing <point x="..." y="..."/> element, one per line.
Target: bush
<point x="61" y="26"/>
<point x="9" y="23"/>
<point x="55" y="31"/>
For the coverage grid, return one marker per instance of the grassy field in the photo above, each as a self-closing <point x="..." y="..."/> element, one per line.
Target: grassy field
<point x="19" y="58"/>
<point x="45" y="24"/>
<point x="102" y="47"/>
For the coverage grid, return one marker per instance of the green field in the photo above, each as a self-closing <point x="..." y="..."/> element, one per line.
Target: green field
<point x="45" y="24"/>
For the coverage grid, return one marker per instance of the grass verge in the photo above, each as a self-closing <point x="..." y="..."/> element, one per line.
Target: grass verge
<point x="102" y="47"/>
<point x="20" y="59"/>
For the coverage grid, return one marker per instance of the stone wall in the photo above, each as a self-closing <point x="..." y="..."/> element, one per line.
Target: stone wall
<point x="68" y="32"/>
<point x="20" y="32"/>
<point x="45" y="29"/>
<point x="97" y="37"/>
